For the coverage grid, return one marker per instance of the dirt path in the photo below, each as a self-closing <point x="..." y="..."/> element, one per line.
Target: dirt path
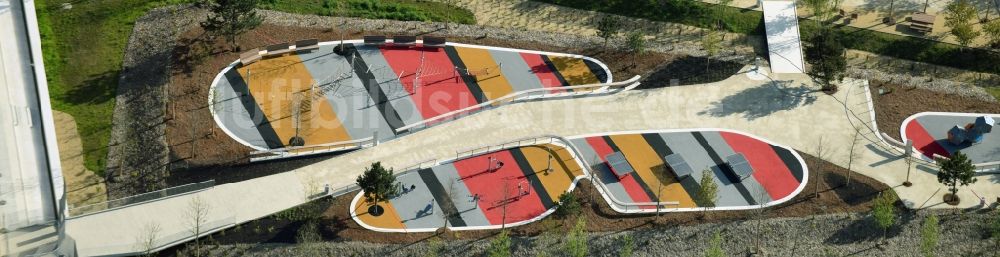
<point x="82" y="186"/>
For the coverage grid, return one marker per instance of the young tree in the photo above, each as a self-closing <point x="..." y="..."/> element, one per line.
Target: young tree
<point x="853" y="154"/>
<point x="819" y="7"/>
<point x="711" y="41"/>
<point x="378" y="184"/>
<point x="636" y="44"/>
<point x="197" y="215"/>
<point x="819" y="164"/>
<point x="567" y="206"/>
<point x="500" y="245"/>
<point x="715" y="246"/>
<point x="964" y="33"/>
<point x="826" y="54"/>
<point x="230" y="18"/>
<point x="576" y="240"/>
<point x="147" y="239"/>
<point x="608" y="27"/>
<point x="992" y="31"/>
<point x="959" y="15"/>
<point x="929" y="233"/>
<point x="884" y="212"/>
<point x="955" y="171"/>
<point x="709" y="191"/>
<point x="628" y="243"/>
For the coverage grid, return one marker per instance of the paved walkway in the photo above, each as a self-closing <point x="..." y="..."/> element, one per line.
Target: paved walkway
<point x="788" y="112"/>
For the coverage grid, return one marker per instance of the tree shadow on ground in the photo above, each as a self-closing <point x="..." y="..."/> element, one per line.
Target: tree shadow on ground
<point x="854" y="194"/>
<point x="689" y="70"/>
<point x="96" y="89"/>
<point x="764" y="100"/>
<point x="865" y="229"/>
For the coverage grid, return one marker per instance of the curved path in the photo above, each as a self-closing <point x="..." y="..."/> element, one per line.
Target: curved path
<point x="929" y="132"/>
<point x="520" y="184"/>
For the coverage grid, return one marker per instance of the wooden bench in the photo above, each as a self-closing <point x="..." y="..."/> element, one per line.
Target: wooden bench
<point x="306" y="44"/>
<point x="248" y="57"/>
<point x="404" y="40"/>
<point x="375" y="40"/>
<point x="922" y="22"/>
<point x="278" y="49"/>
<point x="435" y="42"/>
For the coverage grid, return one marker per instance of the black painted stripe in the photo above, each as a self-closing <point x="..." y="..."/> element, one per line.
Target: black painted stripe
<point x="598" y="72"/>
<point x="660" y="147"/>
<point x="532" y="176"/>
<point x="470" y="81"/>
<point x="642" y="184"/>
<point x="555" y="71"/>
<point x="371" y="85"/>
<point x="250" y="104"/>
<point x="441" y="197"/>
<point x="725" y="168"/>
<point x="790" y="161"/>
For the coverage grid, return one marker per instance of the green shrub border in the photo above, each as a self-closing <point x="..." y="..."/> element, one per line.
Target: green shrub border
<point x="744" y="21"/>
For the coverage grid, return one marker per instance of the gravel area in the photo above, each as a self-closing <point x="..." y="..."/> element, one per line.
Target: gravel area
<point x="925" y="82"/>
<point x="822" y="235"/>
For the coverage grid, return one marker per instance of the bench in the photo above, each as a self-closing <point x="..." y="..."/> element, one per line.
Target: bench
<point x="248" y="57"/>
<point x="680" y="166"/>
<point x="375" y="40"/>
<point x="435" y="42"/>
<point x="740" y="166"/>
<point x="278" y="49"/>
<point x="306" y="44"/>
<point x="404" y="40"/>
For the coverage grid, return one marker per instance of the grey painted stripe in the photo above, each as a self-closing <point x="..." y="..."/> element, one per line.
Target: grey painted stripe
<point x="516" y="70"/>
<point x="412" y="206"/>
<point x="684" y="144"/>
<point x="348" y="97"/>
<point x="720" y="146"/>
<point x="461" y="197"/>
<point x="398" y="96"/>
<point x="441" y="195"/>
<point x="602" y="172"/>
<point x="234" y="116"/>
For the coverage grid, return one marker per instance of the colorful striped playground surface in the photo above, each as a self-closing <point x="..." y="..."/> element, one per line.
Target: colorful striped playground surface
<point x="512" y="186"/>
<point x="322" y="97"/>
<point x="522" y="184"/>
<point x="929" y="133"/>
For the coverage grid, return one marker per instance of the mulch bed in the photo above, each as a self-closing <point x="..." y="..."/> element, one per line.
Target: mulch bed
<point x="336" y="223"/>
<point x="892" y="108"/>
<point x="199" y="150"/>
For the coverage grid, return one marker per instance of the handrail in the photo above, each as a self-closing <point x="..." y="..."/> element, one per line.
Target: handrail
<point x="292" y="148"/>
<point x="630" y="82"/>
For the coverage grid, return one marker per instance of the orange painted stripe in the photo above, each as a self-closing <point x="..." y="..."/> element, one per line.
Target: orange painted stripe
<point x="389" y="220"/>
<point x="574" y="70"/>
<point x="651" y="169"/>
<point x="564" y="167"/>
<point x="493" y="84"/>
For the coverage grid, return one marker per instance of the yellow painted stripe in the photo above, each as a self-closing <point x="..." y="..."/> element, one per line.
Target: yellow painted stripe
<point x="493" y="83"/>
<point x="276" y="84"/>
<point x="389" y="220"/>
<point x="651" y="169"/>
<point x="574" y="70"/>
<point x="564" y="168"/>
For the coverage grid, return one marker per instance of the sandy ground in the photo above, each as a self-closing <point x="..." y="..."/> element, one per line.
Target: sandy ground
<point x="82" y="186"/>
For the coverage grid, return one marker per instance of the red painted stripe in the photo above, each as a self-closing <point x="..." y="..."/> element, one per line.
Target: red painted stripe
<point x="439" y="91"/>
<point x="923" y="141"/>
<point x="545" y="75"/>
<point x="490" y="187"/>
<point x="768" y="169"/>
<point x="632" y="187"/>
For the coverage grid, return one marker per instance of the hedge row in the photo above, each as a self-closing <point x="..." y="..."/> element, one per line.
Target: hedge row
<point x="744" y="21"/>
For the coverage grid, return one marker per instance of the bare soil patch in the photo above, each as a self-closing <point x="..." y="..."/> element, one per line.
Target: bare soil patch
<point x="336" y="223"/>
<point x="83" y="186"/>
<point x="892" y="108"/>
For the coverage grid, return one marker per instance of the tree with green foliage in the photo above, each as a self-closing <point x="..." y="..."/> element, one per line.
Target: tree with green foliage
<point x="709" y="191"/>
<point x="628" y="244"/>
<point x="826" y="54"/>
<point x="636" y="44"/>
<point x="711" y="41"/>
<point x="820" y="8"/>
<point x="995" y="229"/>
<point x="715" y="246"/>
<point x="959" y="16"/>
<point x="608" y="27"/>
<point x="930" y="231"/>
<point x="992" y="31"/>
<point x="230" y="18"/>
<point x="500" y="245"/>
<point x="955" y="171"/>
<point x="378" y="184"/>
<point x="567" y="206"/>
<point x="576" y="240"/>
<point x="884" y="212"/>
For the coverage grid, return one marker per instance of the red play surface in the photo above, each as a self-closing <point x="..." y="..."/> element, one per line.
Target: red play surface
<point x="923" y="140"/>
<point x="439" y="90"/>
<point x="631" y="186"/>
<point x="490" y="187"/>
<point x="545" y="75"/>
<point x="768" y="169"/>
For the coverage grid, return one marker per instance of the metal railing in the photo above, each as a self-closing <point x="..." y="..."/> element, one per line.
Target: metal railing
<point x="76" y="211"/>
<point x="298" y="151"/>
<point x="520" y="96"/>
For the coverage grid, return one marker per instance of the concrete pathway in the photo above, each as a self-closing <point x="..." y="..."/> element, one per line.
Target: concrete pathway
<point x="787" y="112"/>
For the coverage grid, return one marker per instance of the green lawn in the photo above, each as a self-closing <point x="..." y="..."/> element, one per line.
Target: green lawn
<point x="995" y="91"/>
<point x="83" y="49"/>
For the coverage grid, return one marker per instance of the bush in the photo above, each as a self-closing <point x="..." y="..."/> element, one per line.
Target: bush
<point x="568" y="206"/>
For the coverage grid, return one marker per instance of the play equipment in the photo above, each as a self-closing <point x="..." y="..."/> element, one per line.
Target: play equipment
<point x="972" y="132"/>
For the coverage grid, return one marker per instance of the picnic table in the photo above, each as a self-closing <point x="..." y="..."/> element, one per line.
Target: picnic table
<point x="922" y="22"/>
